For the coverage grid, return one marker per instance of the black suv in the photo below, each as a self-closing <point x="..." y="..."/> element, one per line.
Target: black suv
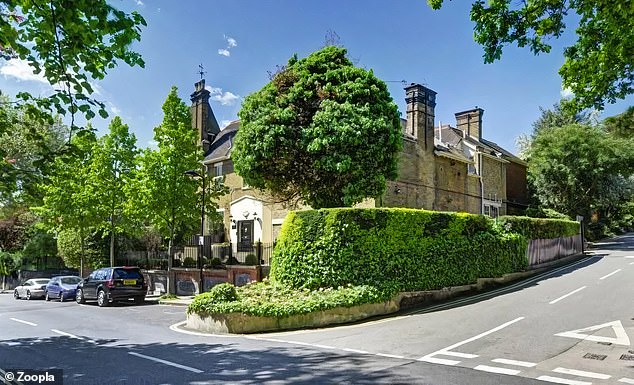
<point x="112" y="284"/>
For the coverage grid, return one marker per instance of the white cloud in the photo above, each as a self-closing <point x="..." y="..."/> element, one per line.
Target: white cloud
<point x="115" y="110"/>
<point x="231" y="42"/>
<point x="566" y="92"/>
<point x="225" y="98"/>
<point x="20" y="69"/>
<point x="224" y="124"/>
<point x="153" y="144"/>
<point x="139" y="3"/>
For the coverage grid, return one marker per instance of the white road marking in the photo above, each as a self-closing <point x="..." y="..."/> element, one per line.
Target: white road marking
<point x="514" y="362"/>
<point x="324" y="346"/>
<point x="166" y="362"/>
<point x="446" y="351"/>
<point x="66" y="334"/>
<point x="567" y="295"/>
<point x="440" y="361"/>
<point x="458" y="354"/>
<point x="609" y="275"/>
<point x="630" y="257"/>
<point x="631" y="263"/>
<point x="620" y="339"/>
<point x="354" y="351"/>
<point x="23" y="321"/>
<point x="390" y="356"/>
<point x="495" y="369"/>
<point x="10" y="343"/>
<point x="558" y="380"/>
<point x="626" y="380"/>
<point x="581" y="373"/>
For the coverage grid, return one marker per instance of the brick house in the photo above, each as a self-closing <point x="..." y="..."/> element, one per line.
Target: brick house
<point x="441" y="168"/>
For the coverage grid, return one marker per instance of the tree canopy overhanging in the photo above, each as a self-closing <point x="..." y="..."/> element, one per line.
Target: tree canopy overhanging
<point x="598" y="68"/>
<point x="322" y="132"/>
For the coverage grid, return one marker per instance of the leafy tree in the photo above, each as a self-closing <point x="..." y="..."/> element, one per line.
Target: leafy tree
<point x="77" y="251"/>
<point x="112" y="165"/>
<point x="322" y="131"/>
<point x="69" y="44"/>
<point x="598" y="68"/>
<point x="578" y="169"/>
<point x="167" y="196"/>
<point x="622" y="125"/>
<point x="8" y="265"/>
<point x="68" y="202"/>
<point x="26" y="152"/>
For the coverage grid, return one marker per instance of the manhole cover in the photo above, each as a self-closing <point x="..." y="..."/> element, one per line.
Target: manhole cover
<point x="627" y="357"/>
<point x="593" y="356"/>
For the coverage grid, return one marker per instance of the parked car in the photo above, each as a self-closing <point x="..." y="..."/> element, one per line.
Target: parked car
<point x="111" y="284"/>
<point x="62" y="288"/>
<point x="32" y="288"/>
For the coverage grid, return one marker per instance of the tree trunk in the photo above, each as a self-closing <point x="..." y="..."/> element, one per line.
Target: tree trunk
<point x="170" y="290"/>
<point x="112" y="246"/>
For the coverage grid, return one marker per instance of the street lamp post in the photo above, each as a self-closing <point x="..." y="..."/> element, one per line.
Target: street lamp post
<point x="201" y="240"/>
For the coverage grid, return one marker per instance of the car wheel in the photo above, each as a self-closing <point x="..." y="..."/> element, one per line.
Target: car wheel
<point x="16" y="295"/>
<point x="79" y="297"/>
<point x="46" y="297"/>
<point x="28" y="295"/>
<point x="102" y="299"/>
<point x="139" y="300"/>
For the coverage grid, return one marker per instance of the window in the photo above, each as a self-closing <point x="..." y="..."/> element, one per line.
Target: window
<point x="218" y="169"/>
<point x="492" y="211"/>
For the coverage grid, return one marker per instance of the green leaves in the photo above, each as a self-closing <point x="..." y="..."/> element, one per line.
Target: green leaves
<point x="322" y="131"/>
<point x="597" y="68"/>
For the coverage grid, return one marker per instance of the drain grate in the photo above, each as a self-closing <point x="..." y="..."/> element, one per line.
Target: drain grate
<point x="627" y="357"/>
<point x="592" y="356"/>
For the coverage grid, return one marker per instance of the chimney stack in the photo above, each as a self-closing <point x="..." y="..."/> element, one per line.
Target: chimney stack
<point x="470" y="122"/>
<point x="421" y="102"/>
<point x="203" y="119"/>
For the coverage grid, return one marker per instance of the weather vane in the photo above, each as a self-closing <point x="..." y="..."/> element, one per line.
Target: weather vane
<point x="201" y="71"/>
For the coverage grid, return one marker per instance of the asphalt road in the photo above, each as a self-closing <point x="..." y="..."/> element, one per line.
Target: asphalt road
<point x="571" y="326"/>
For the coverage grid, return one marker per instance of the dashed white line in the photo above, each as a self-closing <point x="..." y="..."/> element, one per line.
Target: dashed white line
<point x="441" y="361"/>
<point x="609" y="275"/>
<point x="558" y="380"/>
<point x="23" y="321"/>
<point x="390" y="356"/>
<point x="447" y="350"/>
<point x="495" y="369"/>
<point x="514" y="362"/>
<point x="626" y="380"/>
<point x="631" y="263"/>
<point x="189" y="368"/>
<point x="66" y="334"/>
<point x="581" y="373"/>
<point x="567" y="295"/>
<point x="629" y="257"/>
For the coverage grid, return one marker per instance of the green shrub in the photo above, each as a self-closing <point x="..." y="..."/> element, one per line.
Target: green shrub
<point x="224" y="292"/>
<point x="213" y="263"/>
<point x="176" y="262"/>
<point x="189" y="262"/>
<point x="406" y="249"/>
<point x="251" y="260"/>
<point x="539" y="228"/>
<point x="274" y="300"/>
<point x="232" y="261"/>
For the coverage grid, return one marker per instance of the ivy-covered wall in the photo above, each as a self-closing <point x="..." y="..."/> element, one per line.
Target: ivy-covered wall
<point x="403" y="249"/>
<point x="539" y="228"/>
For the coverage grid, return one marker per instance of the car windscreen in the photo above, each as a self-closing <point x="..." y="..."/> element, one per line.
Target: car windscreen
<point x="71" y="280"/>
<point x="127" y="274"/>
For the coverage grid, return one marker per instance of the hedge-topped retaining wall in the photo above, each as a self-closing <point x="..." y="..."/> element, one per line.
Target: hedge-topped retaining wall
<point x="540" y="228"/>
<point x="404" y="249"/>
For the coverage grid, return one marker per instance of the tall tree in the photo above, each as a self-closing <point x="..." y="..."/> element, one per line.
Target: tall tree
<point x="69" y="44"/>
<point x="322" y="131"/>
<point x="168" y="196"/>
<point x="68" y="201"/>
<point x="621" y="125"/>
<point x="598" y="68"/>
<point x="112" y="166"/>
<point x="579" y="170"/>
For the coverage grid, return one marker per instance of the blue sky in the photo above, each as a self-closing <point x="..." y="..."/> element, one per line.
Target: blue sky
<point x="238" y="41"/>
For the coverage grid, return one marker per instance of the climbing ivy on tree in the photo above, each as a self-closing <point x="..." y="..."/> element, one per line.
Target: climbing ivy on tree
<point x="322" y="131"/>
<point x="598" y="68"/>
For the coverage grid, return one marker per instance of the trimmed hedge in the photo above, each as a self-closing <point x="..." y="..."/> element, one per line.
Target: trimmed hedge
<point x="539" y="228"/>
<point x="396" y="248"/>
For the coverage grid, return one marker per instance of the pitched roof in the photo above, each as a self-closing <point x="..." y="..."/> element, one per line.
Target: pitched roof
<point x="220" y="148"/>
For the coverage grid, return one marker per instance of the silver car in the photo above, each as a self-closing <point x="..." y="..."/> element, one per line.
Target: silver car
<point x="33" y="288"/>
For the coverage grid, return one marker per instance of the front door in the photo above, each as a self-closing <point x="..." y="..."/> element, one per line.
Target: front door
<point x="245" y="235"/>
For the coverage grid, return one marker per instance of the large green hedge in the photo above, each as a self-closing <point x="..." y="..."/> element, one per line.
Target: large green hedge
<point x="405" y="249"/>
<point x="539" y="228"/>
